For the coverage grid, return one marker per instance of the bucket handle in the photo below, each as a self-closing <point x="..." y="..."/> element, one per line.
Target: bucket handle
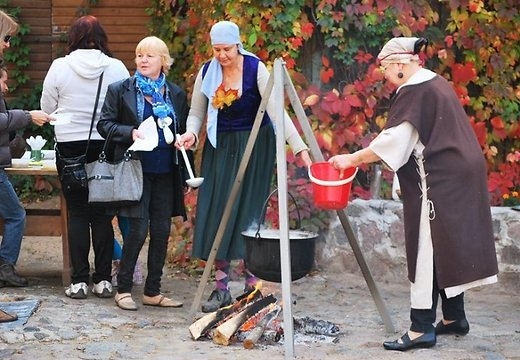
<point x="264" y="211"/>
<point x="334" y="182"/>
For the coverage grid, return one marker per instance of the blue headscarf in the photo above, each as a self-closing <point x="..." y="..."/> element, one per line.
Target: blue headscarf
<point x="223" y="32"/>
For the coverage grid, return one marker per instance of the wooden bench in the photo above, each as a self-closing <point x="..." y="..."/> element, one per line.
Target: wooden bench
<point x="40" y="222"/>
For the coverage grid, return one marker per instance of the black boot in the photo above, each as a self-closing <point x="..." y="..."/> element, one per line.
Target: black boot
<point x="217" y="299"/>
<point x="10" y="277"/>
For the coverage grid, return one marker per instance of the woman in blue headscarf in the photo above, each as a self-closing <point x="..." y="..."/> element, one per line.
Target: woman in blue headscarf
<point x="228" y="90"/>
<point x="128" y="103"/>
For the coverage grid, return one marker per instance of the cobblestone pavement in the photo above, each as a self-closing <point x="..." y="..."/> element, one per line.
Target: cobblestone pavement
<point x="62" y="328"/>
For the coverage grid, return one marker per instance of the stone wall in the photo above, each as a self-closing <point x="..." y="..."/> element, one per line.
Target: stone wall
<point x="378" y="226"/>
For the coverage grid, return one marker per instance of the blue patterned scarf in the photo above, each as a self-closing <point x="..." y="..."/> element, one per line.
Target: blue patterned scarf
<point x="160" y="108"/>
<point x="152" y="88"/>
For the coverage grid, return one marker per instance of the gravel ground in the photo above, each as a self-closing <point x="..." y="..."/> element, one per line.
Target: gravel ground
<point x="62" y="328"/>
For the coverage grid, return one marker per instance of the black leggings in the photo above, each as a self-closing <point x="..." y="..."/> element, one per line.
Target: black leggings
<point x="452" y="309"/>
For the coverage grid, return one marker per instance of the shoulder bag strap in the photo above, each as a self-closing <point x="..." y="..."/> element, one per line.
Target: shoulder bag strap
<point x="94" y="111"/>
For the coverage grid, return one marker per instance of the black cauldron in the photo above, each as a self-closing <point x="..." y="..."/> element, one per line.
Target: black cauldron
<point x="263" y="250"/>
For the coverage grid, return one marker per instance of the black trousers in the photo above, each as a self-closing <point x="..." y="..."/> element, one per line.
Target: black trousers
<point x="452" y="309"/>
<point x="157" y="203"/>
<point x="84" y="221"/>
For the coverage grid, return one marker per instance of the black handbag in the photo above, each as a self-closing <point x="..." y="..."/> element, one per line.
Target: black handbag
<point x="116" y="183"/>
<point x="71" y="170"/>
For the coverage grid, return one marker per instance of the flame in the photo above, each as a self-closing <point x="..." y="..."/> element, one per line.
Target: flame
<point x="251" y="296"/>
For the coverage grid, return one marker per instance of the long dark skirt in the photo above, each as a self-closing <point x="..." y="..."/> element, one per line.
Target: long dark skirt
<point x="219" y="168"/>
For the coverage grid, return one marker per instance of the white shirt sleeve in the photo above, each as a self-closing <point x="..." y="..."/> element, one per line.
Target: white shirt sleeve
<point x="395" y="145"/>
<point x="198" y="107"/>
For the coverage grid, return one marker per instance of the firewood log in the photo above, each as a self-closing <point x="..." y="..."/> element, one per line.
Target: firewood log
<point x="199" y="327"/>
<point x="225" y="331"/>
<point x="256" y="333"/>
<point x="202" y="325"/>
<point x="250" y="323"/>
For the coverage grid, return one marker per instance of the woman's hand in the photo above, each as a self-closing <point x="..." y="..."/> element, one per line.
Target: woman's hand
<point x="136" y="135"/>
<point x="304" y="155"/>
<point x="342" y="162"/>
<point x="187" y="140"/>
<point x="39" y="117"/>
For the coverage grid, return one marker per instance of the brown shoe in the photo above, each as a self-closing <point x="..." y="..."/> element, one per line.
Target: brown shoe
<point x="9" y="276"/>
<point x="6" y="317"/>
<point x="161" y="301"/>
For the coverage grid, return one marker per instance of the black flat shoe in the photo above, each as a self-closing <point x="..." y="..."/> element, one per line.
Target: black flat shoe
<point x="459" y="327"/>
<point x="426" y="340"/>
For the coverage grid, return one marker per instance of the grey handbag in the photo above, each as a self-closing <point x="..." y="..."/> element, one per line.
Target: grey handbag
<point x="117" y="183"/>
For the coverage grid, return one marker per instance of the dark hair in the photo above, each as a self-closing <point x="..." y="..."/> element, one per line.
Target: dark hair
<point x="87" y="33"/>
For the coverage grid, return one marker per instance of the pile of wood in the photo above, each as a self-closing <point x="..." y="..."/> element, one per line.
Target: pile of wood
<point x="250" y="318"/>
<point x="254" y="318"/>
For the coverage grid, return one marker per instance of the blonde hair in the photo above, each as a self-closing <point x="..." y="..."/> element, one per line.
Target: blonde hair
<point x="154" y="45"/>
<point x="8" y="26"/>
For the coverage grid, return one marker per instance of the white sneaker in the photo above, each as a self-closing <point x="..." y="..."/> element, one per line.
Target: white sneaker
<point x="77" y="291"/>
<point x="102" y="289"/>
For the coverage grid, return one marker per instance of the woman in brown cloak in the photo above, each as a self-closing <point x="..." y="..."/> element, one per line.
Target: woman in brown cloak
<point x="429" y="142"/>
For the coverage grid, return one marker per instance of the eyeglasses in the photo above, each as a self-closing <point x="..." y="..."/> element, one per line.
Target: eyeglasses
<point x="7" y="38"/>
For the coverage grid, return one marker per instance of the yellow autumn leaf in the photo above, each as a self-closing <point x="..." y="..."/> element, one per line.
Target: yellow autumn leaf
<point x="224" y="97"/>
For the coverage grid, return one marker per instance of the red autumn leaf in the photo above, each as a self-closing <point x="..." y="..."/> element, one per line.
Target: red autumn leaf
<point x="497" y="123"/>
<point x="325" y="61"/>
<point x="307" y="29"/>
<point x="500" y="133"/>
<point x="480" y="131"/>
<point x="329" y="102"/>
<point x="463" y="73"/>
<point x="363" y="57"/>
<point x="263" y="54"/>
<point x="494" y="181"/>
<point x="353" y="100"/>
<point x="296" y="42"/>
<point x="326" y="75"/>
<point x="344" y="107"/>
<point x="289" y="62"/>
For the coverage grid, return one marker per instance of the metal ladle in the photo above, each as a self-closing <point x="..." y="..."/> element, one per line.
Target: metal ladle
<point x="193" y="181"/>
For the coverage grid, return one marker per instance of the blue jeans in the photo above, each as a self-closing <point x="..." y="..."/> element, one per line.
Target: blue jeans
<point x="13" y="213"/>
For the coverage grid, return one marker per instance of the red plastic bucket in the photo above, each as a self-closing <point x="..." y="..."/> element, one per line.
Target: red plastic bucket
<point x="331" y="189"/>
